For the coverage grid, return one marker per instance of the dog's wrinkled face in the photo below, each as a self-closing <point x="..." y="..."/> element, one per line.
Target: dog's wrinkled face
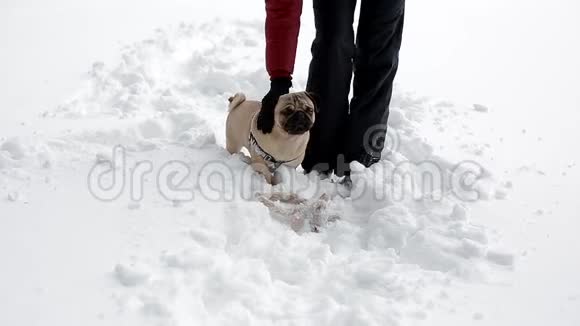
<point x="295" y="113"/>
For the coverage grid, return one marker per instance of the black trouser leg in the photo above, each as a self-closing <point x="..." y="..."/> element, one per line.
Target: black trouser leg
<point x="375" y="65"/>
<point x="329" y="79"/>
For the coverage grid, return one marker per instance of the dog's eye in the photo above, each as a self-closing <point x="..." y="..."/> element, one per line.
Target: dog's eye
<point x="287" y="111"/>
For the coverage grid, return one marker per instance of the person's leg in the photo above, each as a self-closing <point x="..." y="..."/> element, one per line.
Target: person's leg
<point x="329" y="79"/>
<point x="375" y="65"/>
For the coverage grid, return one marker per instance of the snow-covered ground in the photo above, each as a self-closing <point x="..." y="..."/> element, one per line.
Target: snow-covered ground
<point x="486" y="91"/>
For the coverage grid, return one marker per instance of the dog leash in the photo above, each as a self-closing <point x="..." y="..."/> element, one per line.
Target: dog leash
<point x="272" y="162"/>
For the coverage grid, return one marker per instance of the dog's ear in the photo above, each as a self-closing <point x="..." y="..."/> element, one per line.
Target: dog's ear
<point x="314" y="98"/>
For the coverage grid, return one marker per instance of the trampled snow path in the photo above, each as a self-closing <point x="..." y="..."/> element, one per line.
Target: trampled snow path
<point x="220" y="257"/>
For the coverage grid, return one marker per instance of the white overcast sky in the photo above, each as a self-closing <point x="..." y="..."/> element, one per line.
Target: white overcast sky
<point x="519" y="57"/>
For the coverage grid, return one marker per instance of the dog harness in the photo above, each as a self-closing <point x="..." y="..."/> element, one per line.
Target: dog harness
<point x="271" y="162"/>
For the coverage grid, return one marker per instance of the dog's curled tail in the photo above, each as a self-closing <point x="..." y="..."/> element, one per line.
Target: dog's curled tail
<point x="236" y="100"/>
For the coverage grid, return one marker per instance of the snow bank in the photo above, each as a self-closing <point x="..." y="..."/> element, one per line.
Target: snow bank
<point x="383" y="256"/>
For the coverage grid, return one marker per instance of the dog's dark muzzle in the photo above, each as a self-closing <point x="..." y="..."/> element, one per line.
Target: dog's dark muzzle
<point x="298" y="123"/>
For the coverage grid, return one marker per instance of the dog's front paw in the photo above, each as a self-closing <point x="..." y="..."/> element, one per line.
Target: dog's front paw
<point x="276" y="178"/>
<point x="243" y="157"/>
<point x="246" y="159"/>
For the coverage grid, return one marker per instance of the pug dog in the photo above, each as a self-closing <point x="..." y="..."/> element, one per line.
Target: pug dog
<point x="294" y="116"/>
